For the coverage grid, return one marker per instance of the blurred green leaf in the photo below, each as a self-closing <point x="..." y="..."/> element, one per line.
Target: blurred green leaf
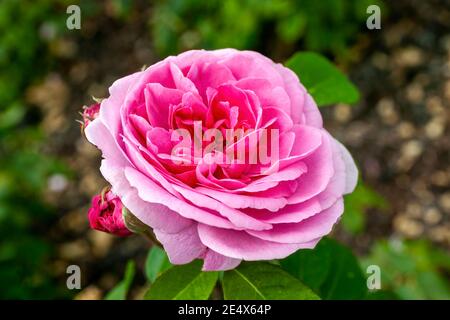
<point x="156" y="263"/>
<point x="411" y="269"/>
<point x="356" y="204"/>
<point x="263" y="281"/>
<point x="330" y="269"/>
<point x="120" y="291"/>
<point x="292" y="28"/>
<point x="328" y="26"/>
<point x="11" y="116"/>
<point x="185" y="282"/>
<point x="322" y="79"/>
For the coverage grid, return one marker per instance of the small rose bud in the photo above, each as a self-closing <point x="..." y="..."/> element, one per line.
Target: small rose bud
<point x="105" y="214"/>
<point x="90" y="113"/>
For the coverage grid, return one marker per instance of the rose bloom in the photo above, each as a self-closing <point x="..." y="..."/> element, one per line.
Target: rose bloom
<point x="105" y="214"/>
<point x="220" y="212"/>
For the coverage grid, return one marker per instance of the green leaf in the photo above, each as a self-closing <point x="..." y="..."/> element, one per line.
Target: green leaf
<point x="322" y="79"/>
<point x="263" y="281"/>
<point x="185" y="282"/>
<point x="330" y="269"/>
<point x="156" y="263"/>
<point x="119" y="292"/>
<point x="411" y="269"/>
<point x="356" y="204"/>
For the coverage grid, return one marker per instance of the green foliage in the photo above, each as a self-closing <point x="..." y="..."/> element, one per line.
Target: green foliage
<point x="411" y="269"/>
<point x="19" y="23"/>
<point x="185" y="282"/>
<point x="356" y="204"/>
<point x="330" y="269"/>
<point x="24" y="253"/>
<point x="326" y="25"/>
<point x="263" y="281"/>
<point x="322" y="79"/>
<point x="156" y="263"/>
<point x="120" y="291"/>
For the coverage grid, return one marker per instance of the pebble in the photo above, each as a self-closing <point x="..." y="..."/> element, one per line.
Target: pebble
<point x="57" y="183"/>
<point x="101" y="242"/>
<point x="386" y="110"/>
<point x="409" y="57"/>
<point x="432" y="216"/>
<point x="408" y="227"/>
<point x="435" y="128"/>
<point x="444" y="201"/>
<point x="440" y="179"/>
<point x="441" y="234"/>
<point x="91" y="292"/>
<point x="412" y="149"/>
<point x="409" y="153"/>
<point x="342" y="112"/>
<point x="406" y="130"/>
<point x="414" y="210"/>
<point x="447" y="90"/>
<point x="415" y="93"/>
<point x="380" y="60"/>
<point x="74" y="250"/>
<point x="435" y="107"/>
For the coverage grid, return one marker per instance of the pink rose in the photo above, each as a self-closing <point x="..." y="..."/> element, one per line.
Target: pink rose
<point x="198" y="205"/>
<point x="105" y="214"/>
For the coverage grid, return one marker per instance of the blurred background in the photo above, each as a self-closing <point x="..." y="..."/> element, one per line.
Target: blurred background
<point x="398" y="218"/>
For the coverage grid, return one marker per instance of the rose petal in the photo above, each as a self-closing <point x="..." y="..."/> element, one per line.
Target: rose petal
<point x="241" y="245"/>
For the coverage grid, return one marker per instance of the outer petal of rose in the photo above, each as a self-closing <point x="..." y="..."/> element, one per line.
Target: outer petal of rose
<point x="186" y="59"/>
<point x="244" y="201"/>
<point x="283" y="189"/>
<point x="155" y="215"/>
<point x="181" y="247"/>
<point x="110" y="107"/>
<point x="301" y="141"/>
<point x="312" y="113"/>
<point x="293" y="213"/>
<point x="320" y="171"/>
<point x="149" y="191"/>
<point x="241" y="245"/>
<point x="251" y="64"/>
<point x="336" y="187"/>
<point x="291" y="172"/>
<point x="295" y="91"/>
<point x="239" y="219"/>
<point x="351" y="177"/>
<point x="312" y="228"/>
<point x="344" y="178"/>
<point x="214" y="261"/>
<point x="98" y="134"/>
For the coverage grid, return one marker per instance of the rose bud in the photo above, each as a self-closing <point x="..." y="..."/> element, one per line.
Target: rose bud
<point x="90" y="113"/>
<point x="105" y="214"/>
